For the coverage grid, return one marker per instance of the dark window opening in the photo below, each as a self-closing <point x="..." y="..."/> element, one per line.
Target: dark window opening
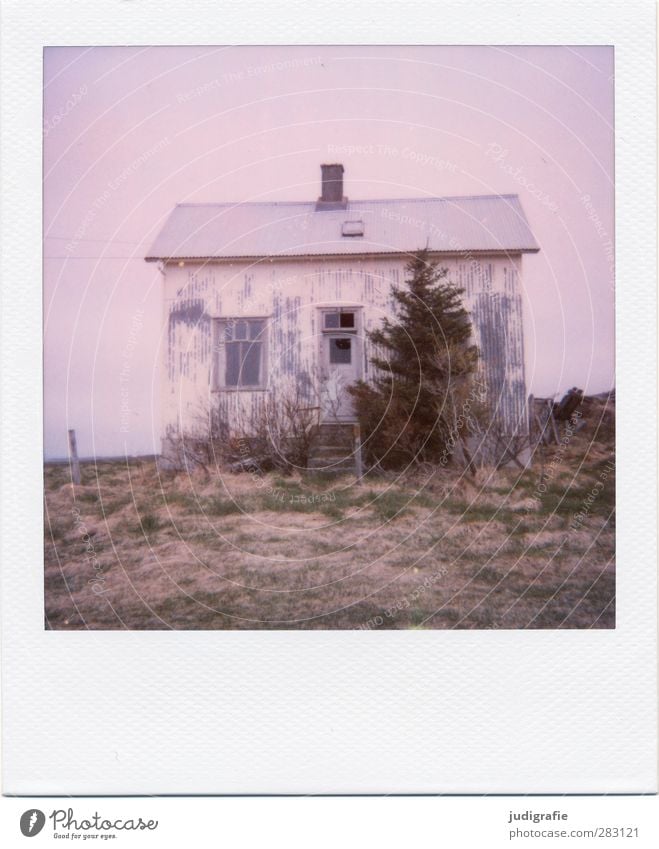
<point x="340" y="320"/>
<point x="340" y="351"/>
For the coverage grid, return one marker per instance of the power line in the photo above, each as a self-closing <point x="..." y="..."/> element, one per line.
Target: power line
<point x="109" y="241"/>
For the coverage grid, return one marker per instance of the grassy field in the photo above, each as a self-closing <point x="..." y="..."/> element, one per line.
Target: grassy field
<point x="135" y="548"/>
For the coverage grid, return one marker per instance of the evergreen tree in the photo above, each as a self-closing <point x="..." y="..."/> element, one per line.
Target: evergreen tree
<point x="424" y="363"/>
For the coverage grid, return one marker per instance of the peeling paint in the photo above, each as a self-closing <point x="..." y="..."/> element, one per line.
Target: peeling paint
<point x="289" y="292"/>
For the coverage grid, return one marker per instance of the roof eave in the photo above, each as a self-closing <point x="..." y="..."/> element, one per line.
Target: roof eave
<point x="253" y="257"/>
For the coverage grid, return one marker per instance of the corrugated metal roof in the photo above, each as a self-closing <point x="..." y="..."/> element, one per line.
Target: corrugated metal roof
<point x="453" y="224"/>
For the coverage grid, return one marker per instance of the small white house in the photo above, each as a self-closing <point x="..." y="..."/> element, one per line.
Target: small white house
<point x="260" y="297"/>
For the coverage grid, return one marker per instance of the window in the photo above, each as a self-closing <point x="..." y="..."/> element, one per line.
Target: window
<point x="241" y="353"/>
<point x="340" y="351"/>
<point x="339" y="320"/>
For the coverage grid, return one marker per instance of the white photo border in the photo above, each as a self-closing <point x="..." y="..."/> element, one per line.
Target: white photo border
<point x="327" y="712"/>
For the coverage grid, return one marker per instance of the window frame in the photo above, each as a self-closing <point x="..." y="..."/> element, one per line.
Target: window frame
<point x="342" y="337"/>
<point x="325" y="311"/>
<point x="219" y="362"/>
<point x="359" y="349"/>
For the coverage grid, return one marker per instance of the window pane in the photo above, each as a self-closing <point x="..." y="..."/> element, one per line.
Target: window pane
<point x="240" y="355"/>
<point x="347" y="319"/>
<point x="256" y="329"/>
<point x="232" y="350"/>
<point x="340" y="350"/>
<point x="250" y="366"/>
<point x="331" y="319"/>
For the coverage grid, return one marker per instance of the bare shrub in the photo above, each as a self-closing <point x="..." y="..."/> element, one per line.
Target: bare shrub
<point x="279" y="436"/>
<point x="497" y="446"/>
<point x="276" y="435"/>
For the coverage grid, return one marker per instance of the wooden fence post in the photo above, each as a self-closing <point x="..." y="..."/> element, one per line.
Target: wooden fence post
<point x="74" y="463"/>
<point x="357" y="448"/>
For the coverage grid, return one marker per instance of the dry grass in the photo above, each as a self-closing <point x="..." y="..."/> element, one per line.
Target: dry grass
<point x="141" y="549"/>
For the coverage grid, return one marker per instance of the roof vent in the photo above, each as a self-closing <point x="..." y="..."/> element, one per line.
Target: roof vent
<point x="352" y="228"/>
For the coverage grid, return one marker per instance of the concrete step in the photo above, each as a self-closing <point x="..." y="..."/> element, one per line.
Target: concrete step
<point x="339" y="447"/>
<point x="337" y="450"/>
<point x="332" y="449"/>
<point x="334" y="435"/>
<point x="329" y="463"/>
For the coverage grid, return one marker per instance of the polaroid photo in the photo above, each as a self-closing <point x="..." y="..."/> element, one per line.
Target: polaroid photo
<point x="344" y="428"/>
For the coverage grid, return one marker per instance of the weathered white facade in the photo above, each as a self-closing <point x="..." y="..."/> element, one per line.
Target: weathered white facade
<point x="262" y="298"/>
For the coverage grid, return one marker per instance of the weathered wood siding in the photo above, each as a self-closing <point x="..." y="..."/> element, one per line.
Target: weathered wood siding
<point x="288" y="293"/>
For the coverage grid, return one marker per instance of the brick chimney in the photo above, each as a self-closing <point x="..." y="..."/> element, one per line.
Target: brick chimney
<point x="332" y="188"/>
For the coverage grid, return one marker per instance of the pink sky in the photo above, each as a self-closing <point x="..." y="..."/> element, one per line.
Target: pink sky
<point x="130" y="132"/>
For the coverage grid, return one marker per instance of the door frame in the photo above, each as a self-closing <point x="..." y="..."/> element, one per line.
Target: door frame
<point x="354" y="333"/>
